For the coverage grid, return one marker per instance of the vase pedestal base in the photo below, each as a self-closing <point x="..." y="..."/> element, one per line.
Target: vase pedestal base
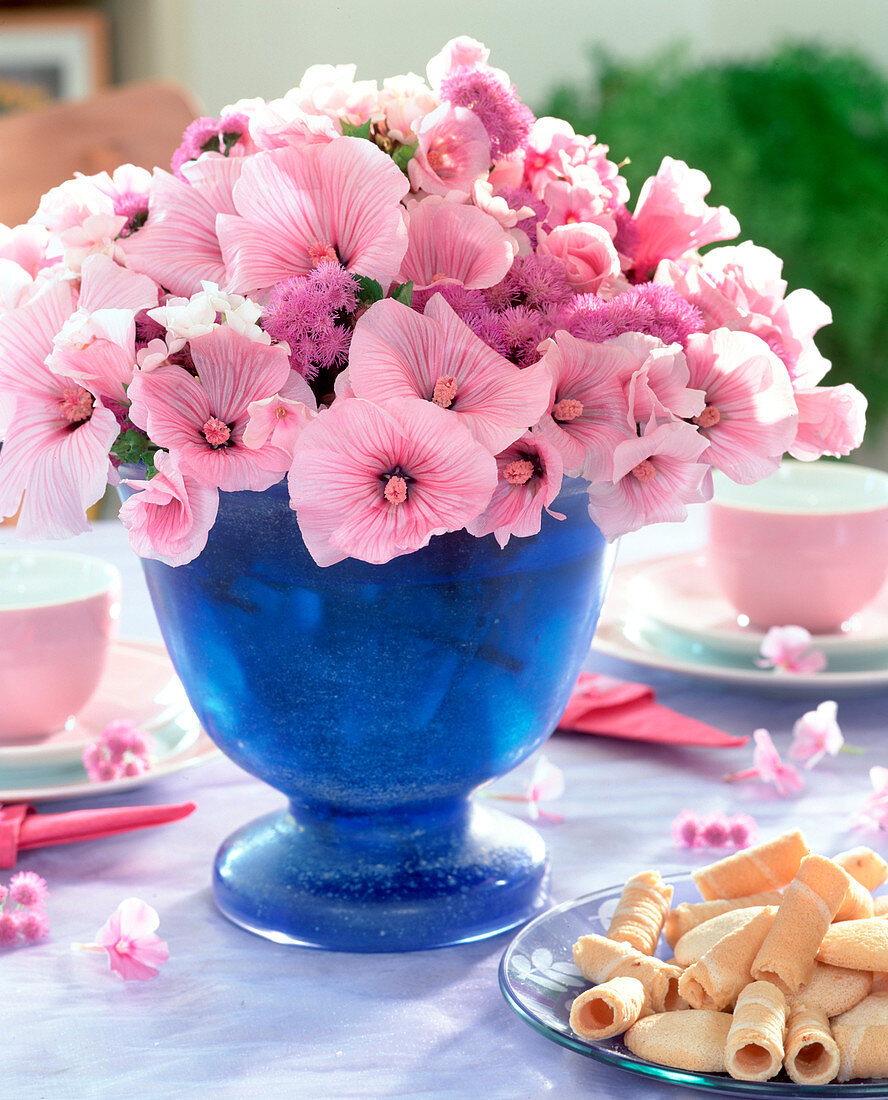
<point x="382" y="884"/>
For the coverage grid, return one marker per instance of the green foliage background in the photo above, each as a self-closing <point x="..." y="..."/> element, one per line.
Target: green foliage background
<point x="796" y="145"/>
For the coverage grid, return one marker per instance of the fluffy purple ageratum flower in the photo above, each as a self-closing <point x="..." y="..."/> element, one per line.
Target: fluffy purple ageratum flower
<point x="209" y="135"/>
<point x="517" y="197"/>
<point x="649" y="308"/>
<point x="307" y="312"/>
<point x="506" y="119"/>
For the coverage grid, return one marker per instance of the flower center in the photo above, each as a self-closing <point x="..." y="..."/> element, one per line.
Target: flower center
<point x="440" y="160"/>
<point x="280" y="413"/>
<point x="321" y="252"/>
<point x="708" y="417"/>
<point x="445" y="391"/>
<point x="216" y="433"/>
<point x="568" y="408"/>
<point x="518" y="472"/>
<point x="395" y="491"/>
<point x="645" y="470"/>
<point x="76" y="405"/>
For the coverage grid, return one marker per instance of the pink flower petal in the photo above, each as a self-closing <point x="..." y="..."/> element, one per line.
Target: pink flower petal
<point x="447" y="240"/>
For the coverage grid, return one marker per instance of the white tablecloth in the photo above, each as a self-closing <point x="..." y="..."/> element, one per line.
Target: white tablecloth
<point x="233" y="1015"/>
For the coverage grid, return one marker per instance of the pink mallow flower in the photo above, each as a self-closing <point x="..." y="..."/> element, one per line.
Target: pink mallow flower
<point x="168" y="517"/>
<point x="129" y="937"/>
<point x="671" y="216"/>
<point x="202" y="420"/>
<point x="449" y="241"/>
<point x="452" y="151"/>
<point x="767" y="766"/>
<point x="374" y="482"/>
<point x="788" y="649"/>
<point x="831" y="421"/>
<point x="588" y="414"/>
<point x="817" y="733"/>
<point x="655" y="476"/>
<point x="436" y="358"/>
<point x="299" y="207"/>
<point x="530" y="474"/>
<point x="58" y="440"/>
<point x="750" y="416"/>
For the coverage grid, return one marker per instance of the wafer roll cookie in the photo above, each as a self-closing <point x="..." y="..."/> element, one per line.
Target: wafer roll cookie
<point x="862" y="1038"/>
<point x="684" y="1040"/>
<point x="716" y="980"/>
<point x="754" y="1047"/>
<point x="608" y="1009"/>
<point x="809" y="903"/>
<point x="641" y="911"/>
<point x="880" y="906"/>
<point x="834" y="989"/>
<point x="864" y="865"/>
<point x="856" y="944"/>
<point x="880" y="981"/>
<point x="600" y="959"/>
<point x="765" y="867"/>
<point x="857" y="903"/>
<point x="694" y="944"/>
<point x="689" y="914"/>
<point x="811" y="1054"/>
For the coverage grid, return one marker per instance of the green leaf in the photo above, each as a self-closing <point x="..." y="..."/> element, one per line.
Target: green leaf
<point x="403" y="293"/>
<point x="134" y="448"/>
<point x="362" y="131"/>
<point x="403" y="155"/>
<point x="369" y="290"/>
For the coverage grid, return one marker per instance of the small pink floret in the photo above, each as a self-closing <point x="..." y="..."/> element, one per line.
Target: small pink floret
<point x="32" y="924"/>
<point x="445" y="391"/>
<point x="28" y="888"/>
<point x="518" y="472"/>
<point x="395" y="490"/>
<point x="568" y="408"/>
<point x="216" y="432"/>
<point x="645" y="470"/>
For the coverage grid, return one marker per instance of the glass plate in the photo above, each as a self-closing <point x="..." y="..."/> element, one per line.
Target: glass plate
<point x="539" y="981"/>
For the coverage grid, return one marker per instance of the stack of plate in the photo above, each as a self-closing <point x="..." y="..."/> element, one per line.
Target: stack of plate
<point x="140" y="686"/>
<point x="668" y="614"/>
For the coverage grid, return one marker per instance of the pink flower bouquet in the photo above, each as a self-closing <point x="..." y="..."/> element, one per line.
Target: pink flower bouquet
<point x="421" y="305"/>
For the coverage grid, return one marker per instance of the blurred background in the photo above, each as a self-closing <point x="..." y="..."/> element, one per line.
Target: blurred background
<point x="783" y="103"/>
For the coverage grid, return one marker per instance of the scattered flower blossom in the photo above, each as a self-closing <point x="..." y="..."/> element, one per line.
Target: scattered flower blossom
<point x="769" y="768"/>
<point x="691" y="829"/>
<point x="120" y="751"/>
<point x="135" y="951"/>
<point x="817" y="733"/>
<point x="545" y="784"/>
<point x="788" y="649"/>
<point x="874" y="811"/>
<point x="23" y="916"/>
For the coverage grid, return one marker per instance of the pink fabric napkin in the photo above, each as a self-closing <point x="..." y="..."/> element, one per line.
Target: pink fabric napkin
<point x="619" y="708"/>
<point x="21" y="827"/>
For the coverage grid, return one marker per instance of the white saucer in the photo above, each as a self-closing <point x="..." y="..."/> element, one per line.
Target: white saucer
<point x="678" y="593"/>
<point x="179" y="741"/>
<point x="139" y="685"/>
<point x="628" y="631"/>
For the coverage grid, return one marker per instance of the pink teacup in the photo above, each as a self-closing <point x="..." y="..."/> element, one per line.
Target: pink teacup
<point x="807" y="546"/>
<point x="58" y="617"/>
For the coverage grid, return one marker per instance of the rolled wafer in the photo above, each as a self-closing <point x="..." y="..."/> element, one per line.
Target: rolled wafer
<point x="811" y="1054"/>
<point x="880" y="906"/>
<point x="689" y="914"/>
<point x="856" y="944"/>
<point x="864" y="865"/>
<point x="641" y="911"/>
<point x="754" y="1046"/>
<point x="862" y="1038"/>
<point x="600" y="959"/>
<point x="766" y="867"/>
<point x="880" y="981"/>
<point x="871" y="1010"/>
<point x="608" y="1009"/>
<point x="857" y="903"/>
<point x="684" y="1040"/>
<point x="834" y="989"/>
<point x="693" y="945"/>
<point x="716" y="980"/>
<point x="809" y="904"/>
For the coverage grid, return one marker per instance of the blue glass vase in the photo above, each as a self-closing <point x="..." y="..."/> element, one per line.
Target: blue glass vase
<point x="378" y="699"/>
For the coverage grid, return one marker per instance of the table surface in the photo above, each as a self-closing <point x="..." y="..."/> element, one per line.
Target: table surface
<point x="233" y="1015"/>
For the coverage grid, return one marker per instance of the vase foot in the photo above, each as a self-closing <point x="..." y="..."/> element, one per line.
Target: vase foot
<point x="481" y="873"/>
